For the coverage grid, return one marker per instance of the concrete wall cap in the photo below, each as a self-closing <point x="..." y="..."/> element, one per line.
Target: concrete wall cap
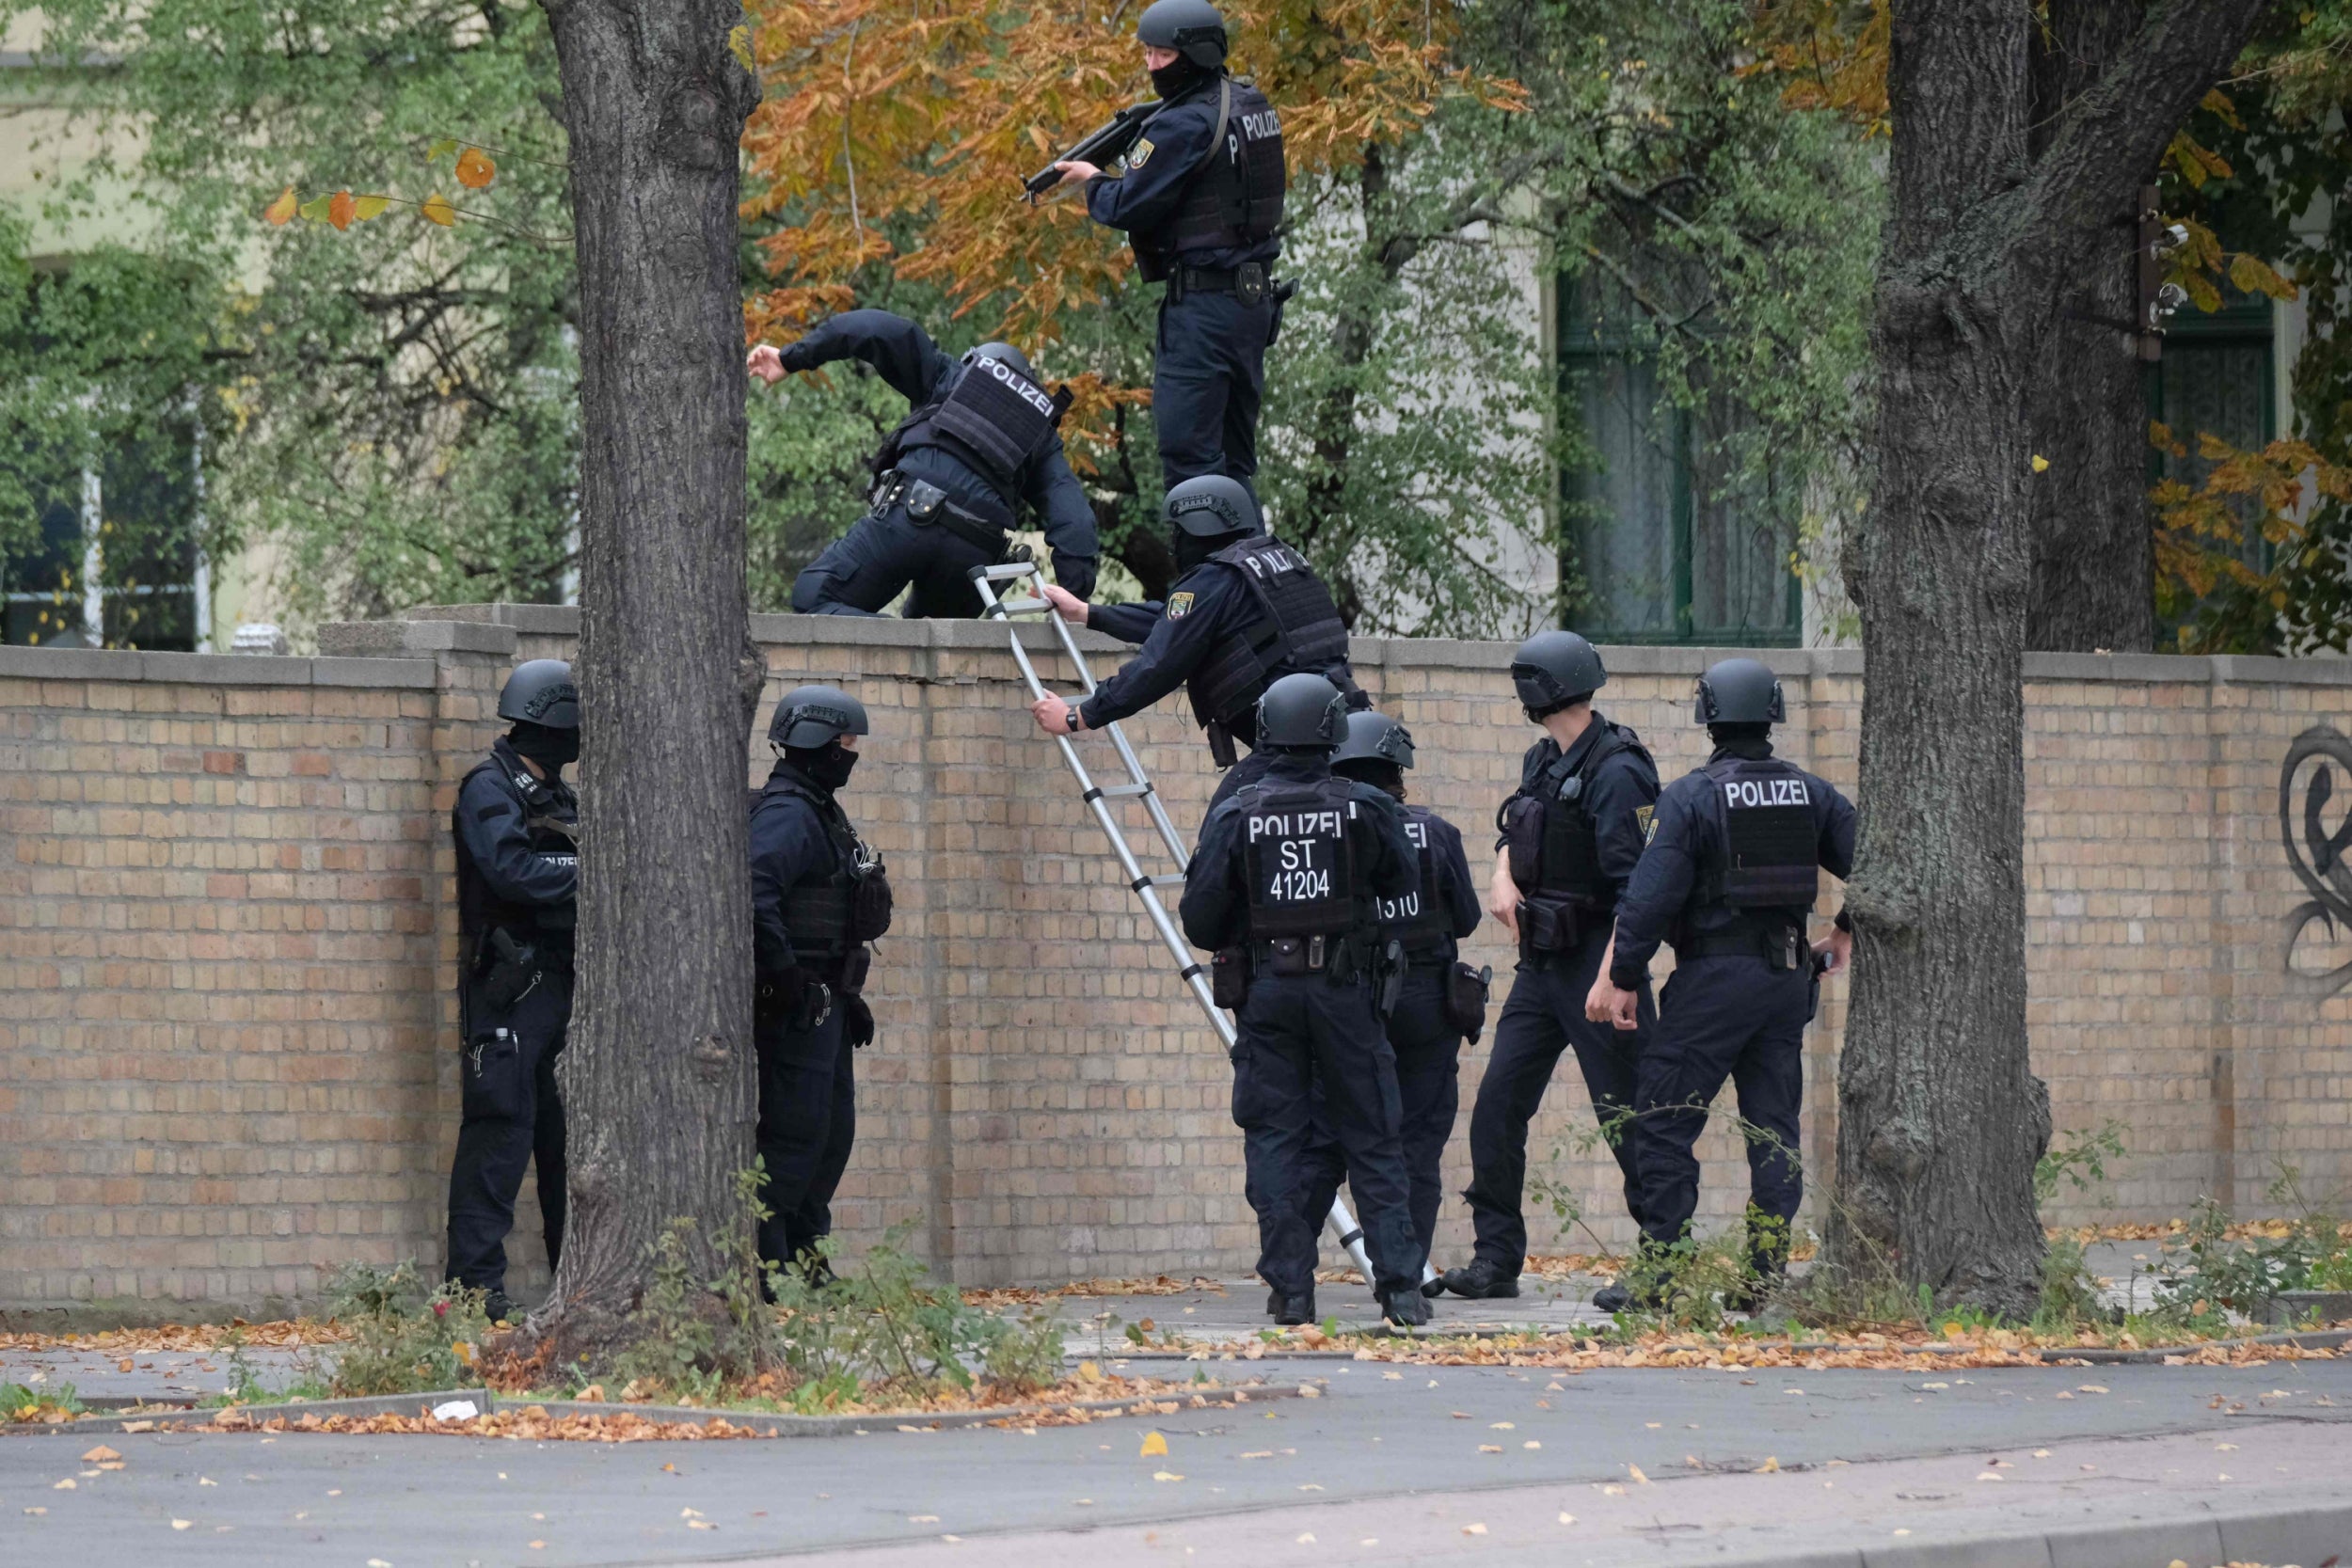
<point x="392" y="638"/>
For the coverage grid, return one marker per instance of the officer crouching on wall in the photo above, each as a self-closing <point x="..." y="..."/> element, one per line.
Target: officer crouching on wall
<point x="980" y="444"/>
<point x="1571" y="834"/>
<point x="515" y="823"/>
<point x="1284" y="890"/>
<point x="818" y="895"/>
<point x="1246" y="609"/>
<point x="1729" y="877"/>
<point x="1433" y="1001"/>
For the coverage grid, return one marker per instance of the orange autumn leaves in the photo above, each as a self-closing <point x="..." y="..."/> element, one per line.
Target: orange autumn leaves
<point x="474" y="169"/>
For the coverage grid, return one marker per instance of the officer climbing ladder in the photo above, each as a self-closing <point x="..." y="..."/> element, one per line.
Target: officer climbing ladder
<point x="987" y="581"/>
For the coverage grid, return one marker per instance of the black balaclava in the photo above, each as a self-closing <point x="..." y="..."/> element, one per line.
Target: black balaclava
<point x="1741" y="737"/>
<point x="1376" y="771"/>
<point x="828" y="766"/>
<point x="1191" y="549"/>
<point x="1171" y="80"/>
<point x="544" y="744"/>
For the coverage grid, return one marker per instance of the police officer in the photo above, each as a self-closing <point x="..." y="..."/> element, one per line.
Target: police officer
<point x="818" y="896"/>
<point x="1245" y="610"/>
<point x="1431" y="1004"/>
<point x="1729" y="877"/>
<point x="1201" y="199"/>
<point x="979" y="443"/>
<point x="1570" y="835"/>
<point x="1285" y="890"/>
<point x="515" y="823"/>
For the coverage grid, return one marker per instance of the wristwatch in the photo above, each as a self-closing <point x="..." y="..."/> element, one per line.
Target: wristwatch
<point x="1069" y="721"/>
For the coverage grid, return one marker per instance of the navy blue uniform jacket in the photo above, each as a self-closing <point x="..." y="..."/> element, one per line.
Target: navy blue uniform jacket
<point x="1204" y="607"/>
<point x="1215" y="907"/>
<point x="1144" y="200"/>
<point x="1616" y="797"/>
<point x="789" y="847"/>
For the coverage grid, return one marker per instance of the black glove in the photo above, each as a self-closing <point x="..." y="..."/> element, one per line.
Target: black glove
<point x="1075" y="573"/>
<point x="857" y="1022"/>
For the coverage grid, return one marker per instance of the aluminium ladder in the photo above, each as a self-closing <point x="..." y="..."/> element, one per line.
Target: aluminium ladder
<point x="1137" y="788"/>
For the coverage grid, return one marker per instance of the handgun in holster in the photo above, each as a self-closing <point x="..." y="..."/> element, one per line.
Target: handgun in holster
<point x="1220" y="744"/>
<point x="512" y="971"/>
<point x="1393" y="971"/>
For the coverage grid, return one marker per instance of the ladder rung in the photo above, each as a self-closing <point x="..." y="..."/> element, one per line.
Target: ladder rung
<point x="1117" y="792"/>
<point x="1008" y="571"/>
<point x="1174" y="878"/>
<point x="1021" y="607"/>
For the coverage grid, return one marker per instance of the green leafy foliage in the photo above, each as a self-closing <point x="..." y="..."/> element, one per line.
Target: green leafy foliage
<point x="406" y="1337"/>
<point x="19" y="1403"/>
<point x="391" y="408"/>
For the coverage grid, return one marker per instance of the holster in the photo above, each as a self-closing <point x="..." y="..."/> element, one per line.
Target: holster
<point x="508" y="968"/>
<point x="856" y="965"/>
<point x="1221" y="744"/>
<point x="1466" y="991"/>
<point x="1393" y="970"/>
<point x="1229" y="977"/>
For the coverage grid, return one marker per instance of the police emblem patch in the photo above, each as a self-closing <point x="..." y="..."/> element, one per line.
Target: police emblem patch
<point x="1179" y="604"/>
<point x="1646" y="817"/>
<point x="1140" y="154"/>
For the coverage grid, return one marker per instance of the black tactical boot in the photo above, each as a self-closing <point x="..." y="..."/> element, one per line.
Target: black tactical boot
<point x="1625" y="1294"/>
<point x="1613" y="1297"/>
<point x="1290" y="1311"/>
<point x="499" y="1309"/>
<point x="1480" y="1281"/>
<point x="1406" y="1306"/>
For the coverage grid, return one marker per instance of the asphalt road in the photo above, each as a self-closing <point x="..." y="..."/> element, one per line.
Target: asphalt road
<point x="1417" y="1441"/>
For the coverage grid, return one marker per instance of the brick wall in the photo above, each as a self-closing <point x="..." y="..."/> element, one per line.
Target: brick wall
<point x="228" y="944"/>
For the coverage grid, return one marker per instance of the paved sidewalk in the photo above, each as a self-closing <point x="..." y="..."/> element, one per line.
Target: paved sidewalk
<point x="1407" y="1456"/>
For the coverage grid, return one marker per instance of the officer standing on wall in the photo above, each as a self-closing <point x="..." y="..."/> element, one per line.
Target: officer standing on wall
<point x="981" y="443"/>
<point x="1246" y="609"/>
<point x="1433" y="1001"/>
<point x="1729" y="878"/>
<point x="1571" y="834"/>
<point x="1201" y="199"/>
<point x="515" y="823"/>
<point x="818" y="896"/>
<point x="1285" y="892"/>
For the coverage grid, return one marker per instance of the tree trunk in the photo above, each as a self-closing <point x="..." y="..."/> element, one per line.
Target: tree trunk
<point x="657" y="1077"/>
<point x="1940" y="1118"/>
<point x="2094" y="549"/>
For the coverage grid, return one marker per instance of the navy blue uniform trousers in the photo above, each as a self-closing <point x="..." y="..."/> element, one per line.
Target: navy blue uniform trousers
<point x="1208" y="376"/>
<point x="1544" y="1018"/>
<point x="511" y="1114"/>
<point x="865" y="568"/>
<point x="1299" y="1032"/>
<point x="807" y="1122"/>
<point x="1732" y="1017"/>
<point x="1428" y="1089"/>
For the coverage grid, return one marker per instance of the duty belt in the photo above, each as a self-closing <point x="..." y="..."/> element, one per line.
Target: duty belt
<point x="1340" y="957"/>
<point x="1749" y="937"/>
<point x="927" y="504"/>
<point x="1246" y="282"/>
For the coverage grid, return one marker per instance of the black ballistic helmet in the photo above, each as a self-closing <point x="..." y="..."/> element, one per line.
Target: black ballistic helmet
<point x="1302" y="712"/>
<point x="813" y="716"/>
<point x="1192" y="28"/>
<point x="1003" y="353"/>
<point x="1739" y="691"/>
<point x="541" y="691"/>
<point x="1554" y="668"/>
<point x="1209" y="506"/>
<point x="1374" y="738"/>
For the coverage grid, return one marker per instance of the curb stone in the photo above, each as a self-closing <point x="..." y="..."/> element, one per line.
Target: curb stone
<point x="1218" y="1396"/>
<point x="2273" y="1534"/>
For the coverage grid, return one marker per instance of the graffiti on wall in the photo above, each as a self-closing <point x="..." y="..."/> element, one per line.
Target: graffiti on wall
<point x="2308" y="803"/>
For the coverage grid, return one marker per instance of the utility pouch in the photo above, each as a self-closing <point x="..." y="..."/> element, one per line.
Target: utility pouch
<point x="1249" y="283"/>
<point x="1221" y="744"/>
<point x="1288" y="956"/>
<point x="1229" y="977"/>
<point x="1784" y="949"/>
<point x="870" y="904"/>
<point x="1548" y="926"/>
<point x="923" y="499"/>
<point x="1466" y="990"/>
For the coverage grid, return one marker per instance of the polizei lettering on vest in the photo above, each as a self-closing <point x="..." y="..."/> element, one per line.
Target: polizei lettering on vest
<point x="1740" y="793"/>
<point x="1274" y="562"/>
<point x="1306" y="824"/>
<point x="1019" y="385"/>
<point x="1260" y="125"/>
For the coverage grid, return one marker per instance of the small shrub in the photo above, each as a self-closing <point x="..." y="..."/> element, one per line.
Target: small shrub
<point x="405" y="1338"/>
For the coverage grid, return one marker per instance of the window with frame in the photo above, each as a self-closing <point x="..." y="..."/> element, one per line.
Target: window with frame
<point x="116" y="563"/>
<point x="1673" y="537"/>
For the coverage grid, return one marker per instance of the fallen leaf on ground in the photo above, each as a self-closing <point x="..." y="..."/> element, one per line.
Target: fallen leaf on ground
<point x="1473" y="1529"/>
<point x="100" y="1454"/>
<point x="1489" y="1448"/>
<point x="1636" y="1471"/>
<point x="1567" y="1518"/>
<point x="1166" y="1475"/>
<point x="182" y="1524"/>
<point x="1770" y="1466"/>
<point x="2092" y="1388"/>
<point x="1155" y="1446"/>
<point x="68" y="1484"/>
<point x="922" y="1518"/>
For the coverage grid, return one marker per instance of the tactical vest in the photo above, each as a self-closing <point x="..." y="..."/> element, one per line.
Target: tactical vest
<point x="849" y="906"/>
<point x="1554" y="845"/>
<point x="1299" y="853"/>
<point x="1419" y="920"/>
<point x="1770" y="852"/>
<point x="1234" y="199"/>
<point x="1296" y="628"/>
<point x="552" y="818"/>
<point x="988" y="414"/>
